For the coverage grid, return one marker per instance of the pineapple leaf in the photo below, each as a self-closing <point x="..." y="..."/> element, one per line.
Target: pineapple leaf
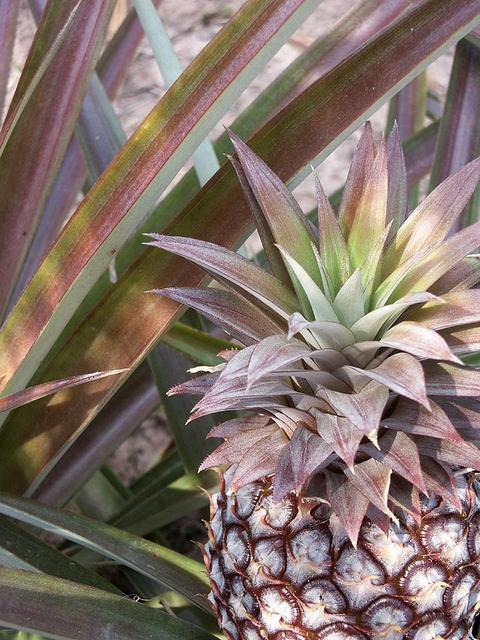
<point x="282" y="213"/>
<point x="372" y="479"/>
<point x="232" y="270"/>
<point x="363" y="158"/>
<point x="235" y="315"/>
<point x="333" y="249"/>
<point x="368" y="224"/>
<point x="418" y="340"/>
<point x="401" y="373"/>
<point x="434" y="217"/>
<point x="397" y="181"/>
<point x="348" y="503"/>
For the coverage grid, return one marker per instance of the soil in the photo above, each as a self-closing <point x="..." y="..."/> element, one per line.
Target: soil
<point x="191" y="24"/>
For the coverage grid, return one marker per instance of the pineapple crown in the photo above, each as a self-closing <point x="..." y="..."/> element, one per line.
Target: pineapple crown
<point x="351" y="369"/>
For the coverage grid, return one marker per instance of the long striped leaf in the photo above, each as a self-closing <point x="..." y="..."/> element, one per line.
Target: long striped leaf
<point x="163" y="565"/>
<point x="68" y="611"/>
<point x="38" y="139"/>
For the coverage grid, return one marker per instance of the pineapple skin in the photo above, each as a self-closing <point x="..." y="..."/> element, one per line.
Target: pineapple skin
<point x="281" y="571"/>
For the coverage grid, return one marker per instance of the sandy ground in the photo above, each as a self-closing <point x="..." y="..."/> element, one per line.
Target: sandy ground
<point x="191" y="24"/>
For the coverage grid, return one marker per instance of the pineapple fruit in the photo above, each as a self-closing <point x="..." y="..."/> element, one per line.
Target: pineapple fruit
<point x="349" y="506"/>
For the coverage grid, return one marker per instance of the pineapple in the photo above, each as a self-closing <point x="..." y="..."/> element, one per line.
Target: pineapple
<point x="349" y="505"/>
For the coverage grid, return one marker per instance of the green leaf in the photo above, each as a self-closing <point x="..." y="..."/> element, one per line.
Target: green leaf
<point x="19" y="549"/>
<point x="37" y="603"/>
<point x="182" y="498"/>
<point x="167" y="567"/>
<point x="198" y="345"/>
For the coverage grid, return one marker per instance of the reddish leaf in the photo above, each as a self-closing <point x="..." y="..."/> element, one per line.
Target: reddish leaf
<point x="282" y="213"/>
<point x="8" y="25"/>
<point x="372" y="479"/>
<point x="235" y="315"/>
<point x="397" y="179"/>
<point x="362" y="159"/>
<point x="231" y="451"/>
<point x="349" y="504"/>
<point x="412" y="418"/>
<point x="341" y="434"/>
<point x="444" y="379"/>
<point x="14" y="400"/>
<point x="401" y="373"/>
<point x="454" y="309"/>
<point x="232" y="270"/>
<point x="400" y="453"/>
<point x="459" y="126"/>
<point x="418" y="340"/>
<point x="440" y="481"/>
<point x="37" y="144"/>
<point x="260" y="459"/>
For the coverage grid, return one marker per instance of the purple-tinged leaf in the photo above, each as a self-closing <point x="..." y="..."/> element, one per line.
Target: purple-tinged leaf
<point x="400" y="453"/>
<point x="403" y="494"/>
<point x="274" y="353"/>
<point x="341" y="434"/>
<point x="397" y="180"/>
<point x="238" y="317"/>
<point x="199" y="385"/>
<point x="401" y="373"/>
<point x="442" y="379"/>
<point x="454" y="309"/>
<point x="37" y="143"/>
<point x="130" y="406"/>
<point x="232" y="270"/>
<point x="464" y="413"/>
<point x="8" y="25"/>
<point x="431" y="221"/>
<point x="453" y="453"/>
<point x="347" y="502"/>
<point x="18" y="399"/>
<point x="308" y="452"/>
<point x="333" y="249"/>
<point x="440" y="481"/>
<point x="372" y="479"/>
<point x="237" y="426"/>
<point x="231" y="451"/>
<point x="260" y="459"/>
<point x="464" y="275"/>
<point x="419" y="340"/>
<point x="412" y="418"/>
<point x="283" y="480"/>
<point x="363" y="409"/>
<point x="112" y="68"/>
<point x="363" y="159"/>
<point x="368" y="224"/>
<point x="407" y="110"/>
<point x="459" y="134"/>
<point x="464" y="341"/>
<point x="268" y="241"/>
<point x="282" y="213"/>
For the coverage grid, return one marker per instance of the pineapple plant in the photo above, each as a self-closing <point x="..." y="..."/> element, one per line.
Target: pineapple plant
<point x="349" y="506"/>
